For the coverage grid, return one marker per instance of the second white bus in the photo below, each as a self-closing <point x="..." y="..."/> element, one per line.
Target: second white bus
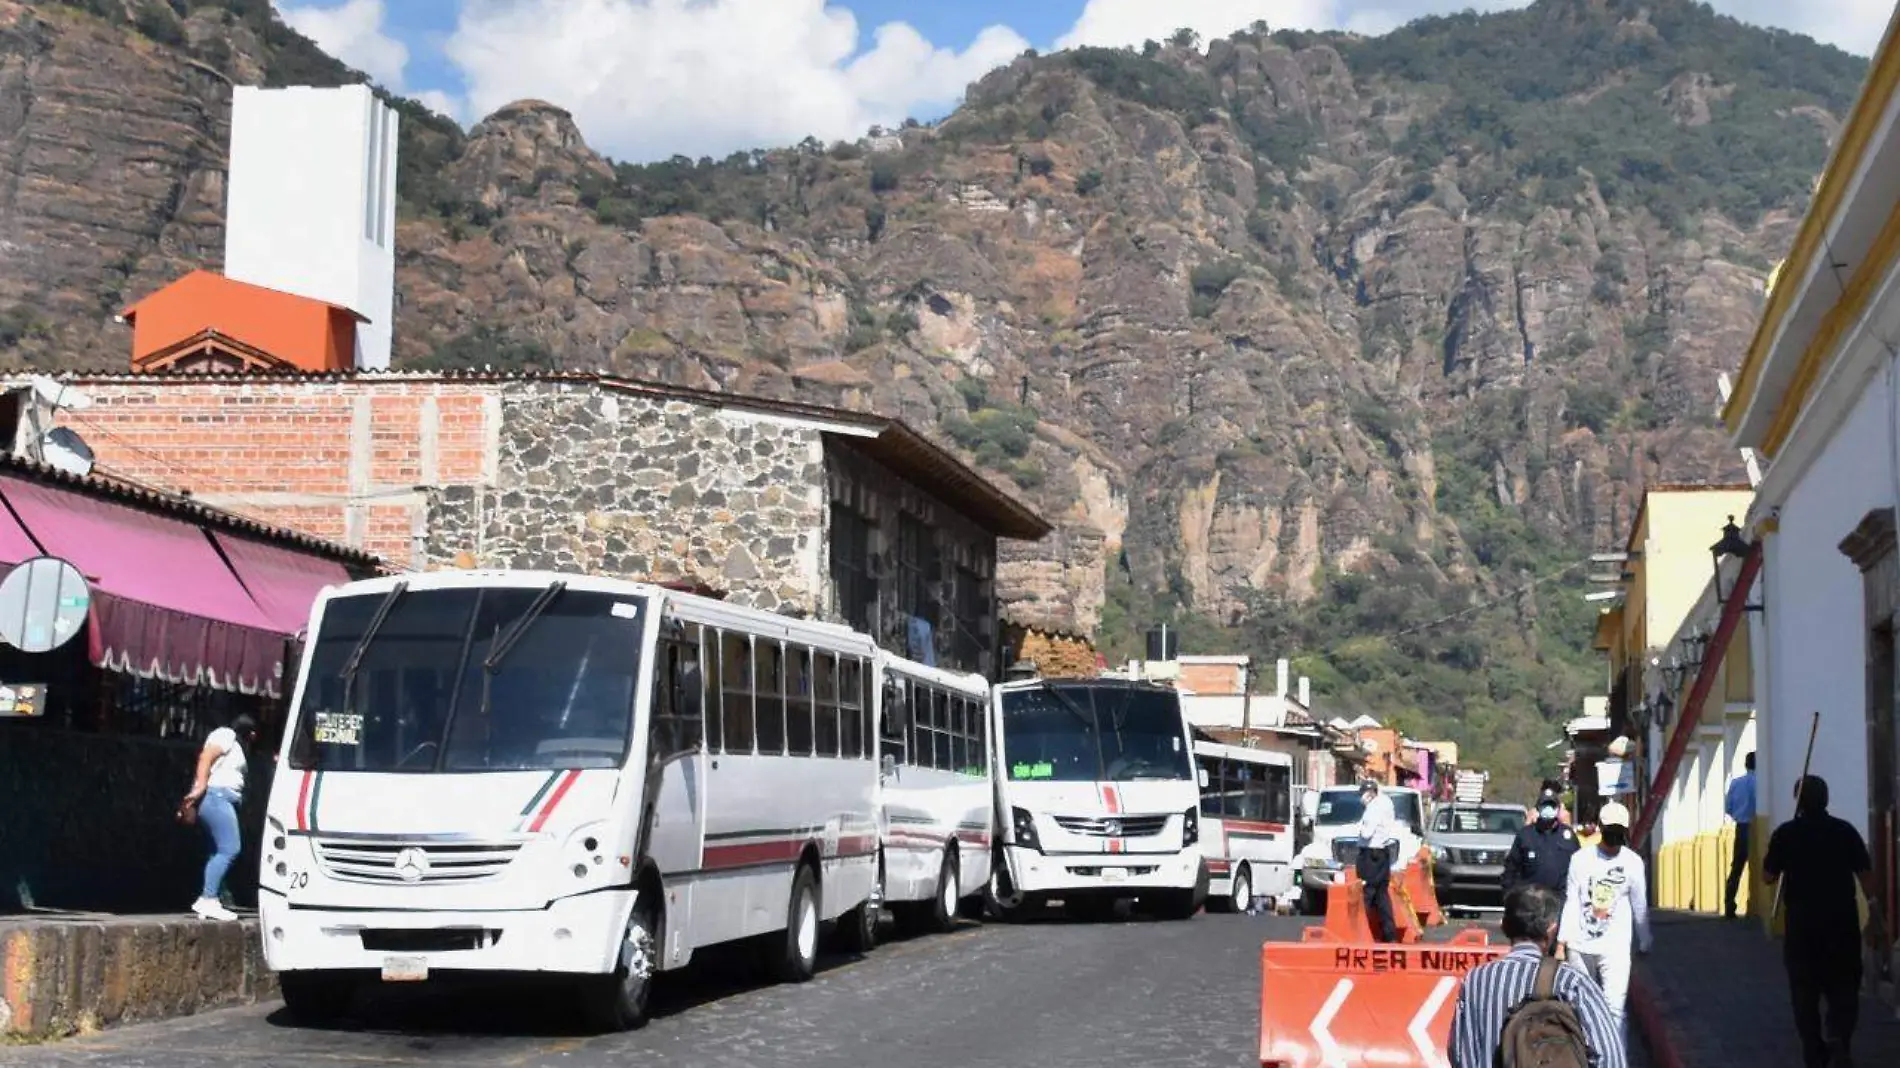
<point x="1246" y="824"/>
<point x="936" y="801"/>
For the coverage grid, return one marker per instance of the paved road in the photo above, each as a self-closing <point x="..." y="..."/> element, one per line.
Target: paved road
<point x="1058" y="993"/>
<point x="1136" y="993"/>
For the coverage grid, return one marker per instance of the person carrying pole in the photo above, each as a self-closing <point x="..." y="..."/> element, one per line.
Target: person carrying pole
<point x="1813" y="861"/>
<point x="1378" y="840"/>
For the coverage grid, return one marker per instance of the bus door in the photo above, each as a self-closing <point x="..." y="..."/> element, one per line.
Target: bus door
<point x="673" y="800"/>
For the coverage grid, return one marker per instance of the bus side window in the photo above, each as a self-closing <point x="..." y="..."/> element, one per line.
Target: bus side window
<point x="735" y="656"/>
<point x="850" y="708"/>
<point x="1210" y="794"/>
<point x="867" y="710"/>
<point x="1254" y="798"/>
<point x="674" y="727"/>
<point x="980" y="734"/>
<point x="713" y="702"/>
<point x="1279" y="794"/>
<point x="945" y="729"/>
<point x="798" y="700"/>
<point x="959" y="733"/>
<point x="769" y="696"/>
<point x="892" y="729"/>
<point x="825" y="691"/>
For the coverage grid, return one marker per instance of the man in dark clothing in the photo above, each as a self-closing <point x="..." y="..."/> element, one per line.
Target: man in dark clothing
<point x="1821" y="856"/>
<point x="1540" y="855"/>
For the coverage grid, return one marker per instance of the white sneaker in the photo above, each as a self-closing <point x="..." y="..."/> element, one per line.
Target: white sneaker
<point x="209" y="908"/>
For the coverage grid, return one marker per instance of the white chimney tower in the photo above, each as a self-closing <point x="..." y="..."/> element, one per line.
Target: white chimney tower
<point x="1306" y="693"/>
<point x="311" y="202"/>
<point x="1280" y="670"/>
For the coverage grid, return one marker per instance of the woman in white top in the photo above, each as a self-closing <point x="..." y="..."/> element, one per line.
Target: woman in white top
<point x="217" y="791"/>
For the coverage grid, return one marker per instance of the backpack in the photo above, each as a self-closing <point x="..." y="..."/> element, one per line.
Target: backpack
<point x="1542" y="1031"/>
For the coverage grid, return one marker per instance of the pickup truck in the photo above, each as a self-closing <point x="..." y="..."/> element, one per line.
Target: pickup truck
<point x="1468" y="844"/>
<point x="1332" y="814"/>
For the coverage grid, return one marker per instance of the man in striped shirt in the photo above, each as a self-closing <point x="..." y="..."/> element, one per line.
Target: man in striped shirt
<point x="1492" y="990"/>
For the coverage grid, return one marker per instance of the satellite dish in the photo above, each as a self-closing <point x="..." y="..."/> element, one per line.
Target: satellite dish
<point x="64" y="450"/>
<point x="59" y="394"/>
<point x="43" y="603"/>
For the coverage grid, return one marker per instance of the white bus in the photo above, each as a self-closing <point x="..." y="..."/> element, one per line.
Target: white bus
<point x="1096" y="798"/>
<point x="525" y="772"/>
<point x="936" y="798"/>
<point x="1246" y="824"/>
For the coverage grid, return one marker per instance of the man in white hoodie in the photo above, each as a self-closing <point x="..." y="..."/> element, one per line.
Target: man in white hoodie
<point x="1607" y="908"/>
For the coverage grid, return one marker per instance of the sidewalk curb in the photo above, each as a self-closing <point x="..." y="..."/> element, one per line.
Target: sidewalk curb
<point x="1658" y="1035"/>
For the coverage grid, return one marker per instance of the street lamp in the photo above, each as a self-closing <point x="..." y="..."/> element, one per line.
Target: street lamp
<point x="1694" y="647"/>
<point x="1732" y="544"/>
<point x="1672" y="678"/>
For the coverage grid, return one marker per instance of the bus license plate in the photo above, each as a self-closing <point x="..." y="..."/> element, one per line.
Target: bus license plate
<point x="1114" y="875"/>
<point x="405" y="969"/>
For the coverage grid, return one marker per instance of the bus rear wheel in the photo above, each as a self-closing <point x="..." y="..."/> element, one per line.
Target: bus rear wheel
<point x="797" y="957"/>
<point x="857" y="929"/>
<point x="316" y="998"/>
<point x="618" y="1002"/>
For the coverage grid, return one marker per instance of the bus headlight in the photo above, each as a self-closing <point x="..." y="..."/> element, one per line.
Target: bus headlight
<point x="1191" y="827"/>
<point x="1024" y="826"/>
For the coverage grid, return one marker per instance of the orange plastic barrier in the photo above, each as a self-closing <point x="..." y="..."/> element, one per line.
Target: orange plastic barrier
<point x="1331" y="1004"/>
<point x="1346" y="917"/>
<point x="1422" y="892"/>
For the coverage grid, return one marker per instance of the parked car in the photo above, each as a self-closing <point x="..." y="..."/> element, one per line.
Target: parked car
<point x="1468" y="844"/>
<point x="1331" y="817"/>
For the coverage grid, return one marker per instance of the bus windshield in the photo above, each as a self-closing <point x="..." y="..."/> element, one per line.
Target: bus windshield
<point x="498" y="678"/>
<point x="1084" y="733"/>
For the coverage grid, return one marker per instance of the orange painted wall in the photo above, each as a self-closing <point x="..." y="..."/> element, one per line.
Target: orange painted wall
<point x="308" y="334"/>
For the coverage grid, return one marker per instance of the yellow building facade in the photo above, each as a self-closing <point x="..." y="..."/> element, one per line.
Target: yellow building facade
<point x="1654" y="640"/>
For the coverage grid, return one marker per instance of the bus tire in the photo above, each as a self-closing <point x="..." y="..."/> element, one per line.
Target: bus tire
<point x="1240" y="891"/>
<point x="797" y="956"/>
<point x="316" y="998"/>
<point x="857" y="929"/>
<point x="618" y="1001"/>
<point x="942" y="916"/>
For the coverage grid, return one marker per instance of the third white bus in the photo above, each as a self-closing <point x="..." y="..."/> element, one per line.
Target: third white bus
<point x="1096" y="797"/>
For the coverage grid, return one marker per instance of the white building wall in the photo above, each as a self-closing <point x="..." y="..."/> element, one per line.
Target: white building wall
<point x="311" y="202"/>
<point x="1817" y="639"/>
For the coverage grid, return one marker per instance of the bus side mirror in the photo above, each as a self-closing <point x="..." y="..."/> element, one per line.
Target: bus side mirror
<point x="1309" y="806"/>
<point x="1203" y="778"/>
<point x="888" y="766"/>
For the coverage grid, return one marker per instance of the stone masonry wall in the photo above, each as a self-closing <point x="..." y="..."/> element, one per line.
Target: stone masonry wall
<point x="606" y="482"/>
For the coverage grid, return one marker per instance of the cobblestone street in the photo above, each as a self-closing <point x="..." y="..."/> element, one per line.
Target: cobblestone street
<point x="1042" y="994"/>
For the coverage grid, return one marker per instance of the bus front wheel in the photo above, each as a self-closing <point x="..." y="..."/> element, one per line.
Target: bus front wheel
<point x="316" y="997"/>
<point x="618" y="1002"/>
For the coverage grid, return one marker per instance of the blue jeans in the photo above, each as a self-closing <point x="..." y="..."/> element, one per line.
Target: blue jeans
<point x="218" y="813"/>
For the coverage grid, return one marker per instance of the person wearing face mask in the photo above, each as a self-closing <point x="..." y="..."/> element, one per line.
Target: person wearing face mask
<point x="1540" y="854"/>
<point x="1606" y="908"/>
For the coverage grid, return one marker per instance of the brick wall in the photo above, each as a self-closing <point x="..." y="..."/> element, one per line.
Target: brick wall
<point x="341" y="461"/>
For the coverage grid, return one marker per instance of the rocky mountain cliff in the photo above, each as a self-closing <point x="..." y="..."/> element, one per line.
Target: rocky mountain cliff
<point x="1314" y="344"/>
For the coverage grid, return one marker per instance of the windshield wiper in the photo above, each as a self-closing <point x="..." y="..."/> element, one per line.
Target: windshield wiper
<point x="506" y="643"/>
<point x="1068" y="703"/>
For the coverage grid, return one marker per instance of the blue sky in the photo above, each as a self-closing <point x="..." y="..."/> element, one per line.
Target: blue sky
<point x="646" y="79"/>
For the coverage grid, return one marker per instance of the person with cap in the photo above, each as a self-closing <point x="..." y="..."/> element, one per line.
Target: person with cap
<point x="1606" y="908"/>
<point x="1378" y="835"/>
<point x="1819" y="857"/>
<point x="1540" y="854"/>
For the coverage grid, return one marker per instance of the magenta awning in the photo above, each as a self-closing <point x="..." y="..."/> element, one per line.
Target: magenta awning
<point x="283" y="582"/>
<point x="165" y="605"/>
<point x="15" y="544"/>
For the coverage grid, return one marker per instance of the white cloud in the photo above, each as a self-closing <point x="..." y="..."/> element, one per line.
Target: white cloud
<point x="353" y="32"/>
<point x="440" y="102"/>
<point x="646" y="79"/>
<point x="1851" y="25"/>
